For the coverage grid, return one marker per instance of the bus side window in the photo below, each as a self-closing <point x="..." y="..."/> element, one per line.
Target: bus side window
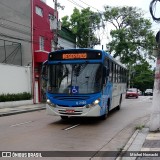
<point x="105" y="74"/>
<point x="111" y="71"/>
<point x="115" y="73"/>
<point x="121" y="74"/>
<point x="118" y="73"/>
<point x="107" y="67"/>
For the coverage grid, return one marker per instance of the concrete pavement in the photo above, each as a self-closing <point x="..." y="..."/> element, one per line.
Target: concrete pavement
<point x="142" y="140"/>
<point x="6" y="111"/>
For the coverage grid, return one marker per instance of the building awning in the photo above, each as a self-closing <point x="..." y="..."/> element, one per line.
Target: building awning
<point x="40" y="56"/>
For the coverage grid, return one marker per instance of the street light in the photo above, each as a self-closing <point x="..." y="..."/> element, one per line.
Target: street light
<point x="155" y="114"/>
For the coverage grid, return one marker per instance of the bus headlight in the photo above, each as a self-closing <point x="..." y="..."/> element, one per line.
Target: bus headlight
<point x="48" y="101"/>
<point x="50" y="104"/>
<point x="96" y="102"/>
<point x="93" y="103"/>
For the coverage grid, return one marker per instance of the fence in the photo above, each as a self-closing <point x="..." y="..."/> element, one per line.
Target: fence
<point x="15" y="79"/>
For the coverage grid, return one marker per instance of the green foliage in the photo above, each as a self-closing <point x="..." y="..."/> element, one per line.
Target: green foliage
<point x="140" y="127"/>
<point x="142" y="77"/>
<point x="15" y="97"/>
<point x="79" y="24"/>
<point x="132" y="37"/>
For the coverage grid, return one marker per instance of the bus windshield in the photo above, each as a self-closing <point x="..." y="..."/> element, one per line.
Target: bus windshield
<point x="75" y="78"/>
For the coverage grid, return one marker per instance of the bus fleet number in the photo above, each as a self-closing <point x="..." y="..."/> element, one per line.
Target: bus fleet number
<point x="81" y="103"/>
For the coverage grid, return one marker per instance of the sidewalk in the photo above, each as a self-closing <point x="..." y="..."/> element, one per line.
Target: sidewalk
<point x="143" y="145"/>
<point x="21" y="109"/>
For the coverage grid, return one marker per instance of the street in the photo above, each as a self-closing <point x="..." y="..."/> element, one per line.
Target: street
<point x="36" y="131"/>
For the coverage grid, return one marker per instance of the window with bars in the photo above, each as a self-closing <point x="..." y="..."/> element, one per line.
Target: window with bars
<point x="43" y="1"/>
<point x="39" y="11"/>
<point x="41" y="43"/>
<point x="51" y="21"/>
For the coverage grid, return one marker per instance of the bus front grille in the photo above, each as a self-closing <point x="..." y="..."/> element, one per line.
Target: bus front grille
<point x="64" y="112"/>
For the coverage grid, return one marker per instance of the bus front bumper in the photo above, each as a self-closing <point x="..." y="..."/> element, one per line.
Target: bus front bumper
<point x="92" y="111"/>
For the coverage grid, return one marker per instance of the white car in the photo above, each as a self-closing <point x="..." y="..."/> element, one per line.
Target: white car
<point x="148" y="92"/>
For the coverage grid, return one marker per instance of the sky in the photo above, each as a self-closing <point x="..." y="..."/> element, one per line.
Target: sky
<point x="99" y="5"/>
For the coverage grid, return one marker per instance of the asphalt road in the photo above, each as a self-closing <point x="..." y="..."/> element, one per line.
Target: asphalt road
<point x="36" y="131"/>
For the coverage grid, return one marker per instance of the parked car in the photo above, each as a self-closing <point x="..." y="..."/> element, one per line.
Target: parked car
<point x="132" y="92"/>
<point x="148" y="92"/>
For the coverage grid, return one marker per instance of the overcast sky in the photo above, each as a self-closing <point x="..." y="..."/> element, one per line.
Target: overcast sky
<point x="97" y="4"/>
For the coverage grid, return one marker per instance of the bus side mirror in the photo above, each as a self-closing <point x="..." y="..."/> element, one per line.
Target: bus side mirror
<point x="45" y="70"/>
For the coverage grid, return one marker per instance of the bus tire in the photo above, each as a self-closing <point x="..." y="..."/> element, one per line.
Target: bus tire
<point x="64" y="117"/>
<point x="120" y="101"/>
<point x="103" y="117"/>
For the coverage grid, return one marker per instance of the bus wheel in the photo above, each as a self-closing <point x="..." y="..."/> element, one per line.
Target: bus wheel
<point x="103" y="117"/>
<point x="119" y="106"/>
<point x="64" y="117"/>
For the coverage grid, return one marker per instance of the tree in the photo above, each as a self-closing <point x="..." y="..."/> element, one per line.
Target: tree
<point x="132" y="37"/>
<point x="142" y="76"/>
<point x="82" y="23"/>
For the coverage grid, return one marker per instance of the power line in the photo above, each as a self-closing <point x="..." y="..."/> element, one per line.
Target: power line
<point x="75" y="3"/>
<point x="89" y="5"/>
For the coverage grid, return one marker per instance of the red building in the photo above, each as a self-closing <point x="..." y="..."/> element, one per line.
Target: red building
<point x="42" y="40"/>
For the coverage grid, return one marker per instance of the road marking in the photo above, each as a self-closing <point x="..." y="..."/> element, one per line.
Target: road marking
<point x="71" y="127"/>
<point x="18" y="124"/>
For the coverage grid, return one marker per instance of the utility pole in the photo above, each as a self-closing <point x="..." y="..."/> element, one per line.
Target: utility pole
<point x="56" y="24"/>
<point x="56" y="5"/>
<point x="89" y="34"/>
<point x="155" y="114"/>
<point x="92" y="26"/>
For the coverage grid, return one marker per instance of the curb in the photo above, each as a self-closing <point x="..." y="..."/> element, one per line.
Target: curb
<point x="21" y="111"/>
<point x="135" y="143"/>
<point x="128" y="144"/>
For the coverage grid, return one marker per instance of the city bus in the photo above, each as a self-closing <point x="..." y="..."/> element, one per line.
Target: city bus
<point x="83" y="83"/>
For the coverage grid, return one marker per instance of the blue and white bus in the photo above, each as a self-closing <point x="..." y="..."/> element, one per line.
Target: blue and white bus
<point x="83" y="83"/>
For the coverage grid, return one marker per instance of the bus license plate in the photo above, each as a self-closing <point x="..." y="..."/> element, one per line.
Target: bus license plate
<point x="69" y="111"/>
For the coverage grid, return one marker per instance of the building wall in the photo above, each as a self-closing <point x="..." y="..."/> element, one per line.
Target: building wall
<point x="15" y="25"/>
<point x="66" y="39"/>
<point x="65" y="44"/>
<point x="15" y="79"/>
<point x="41" y="26"/>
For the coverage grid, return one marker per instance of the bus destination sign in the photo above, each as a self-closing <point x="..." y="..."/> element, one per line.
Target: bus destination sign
<point x="74" y="56"/>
